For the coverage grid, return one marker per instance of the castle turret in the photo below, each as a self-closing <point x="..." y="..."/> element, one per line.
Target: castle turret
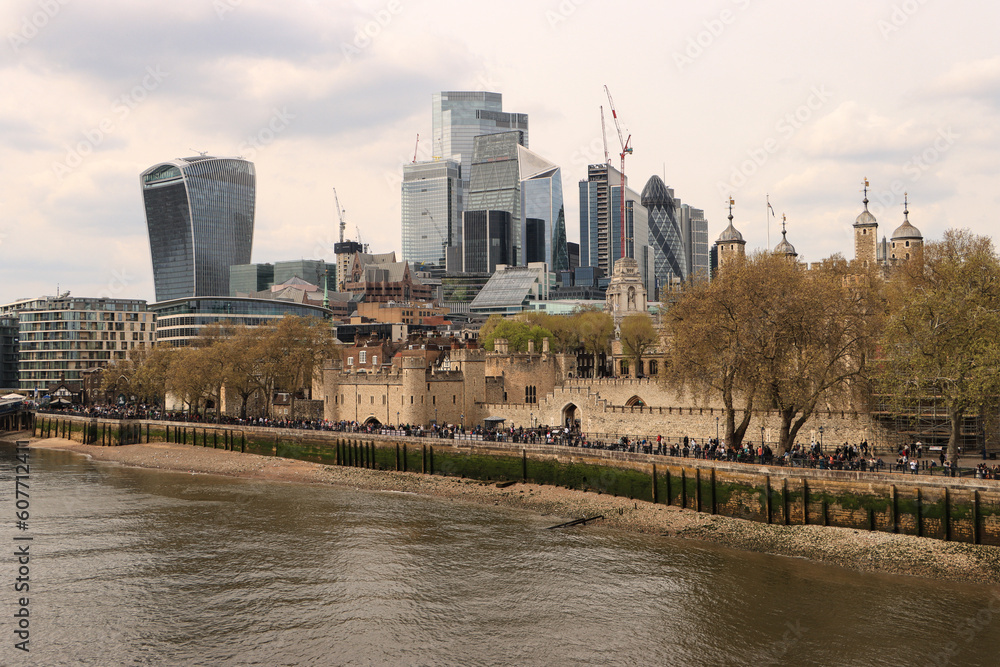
<point x="907" y="242"/>
<point x="730" y="243"/>
<point x="865" y="235"/>
<point x="784" y="247"/>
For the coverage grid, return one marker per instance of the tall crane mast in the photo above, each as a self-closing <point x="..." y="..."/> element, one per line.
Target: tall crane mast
<point x="626" y="150"/>
<point x="340" y="215"/>
<point x="415" y="147"/>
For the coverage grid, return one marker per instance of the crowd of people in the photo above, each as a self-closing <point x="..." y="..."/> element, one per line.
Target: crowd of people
<point x="855" y="457"/>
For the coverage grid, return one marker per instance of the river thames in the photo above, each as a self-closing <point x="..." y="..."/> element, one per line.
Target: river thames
<point x="139" y="567"/>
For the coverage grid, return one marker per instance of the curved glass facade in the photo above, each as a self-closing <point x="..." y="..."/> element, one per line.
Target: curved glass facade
<point x="180" y="320"/>
<point x="669" y="258"/>
<point x="200" y="217"/>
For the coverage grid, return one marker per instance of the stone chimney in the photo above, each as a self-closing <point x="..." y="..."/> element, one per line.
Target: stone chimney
<point x="531" y="347"/>
<point x="545" y="345"/>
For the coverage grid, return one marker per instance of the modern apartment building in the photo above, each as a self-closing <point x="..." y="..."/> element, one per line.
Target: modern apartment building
<point x="61" y="337"/>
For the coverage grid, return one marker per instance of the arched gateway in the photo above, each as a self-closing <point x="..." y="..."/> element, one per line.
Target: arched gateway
<point x="571" y="415"/>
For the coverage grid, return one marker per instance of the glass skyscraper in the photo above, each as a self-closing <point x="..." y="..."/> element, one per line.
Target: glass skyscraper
<point x="694" y="232"/>
<point x="600" y="223"/>
<point x="506" y="176"/>
<point x="458" y="117"/>
<point x="495" y="184"/>
<point x="431" y="217"/>
<point x="669" y="258"/>
<point x="542" y="200"/>
<point x="200" y="216"/>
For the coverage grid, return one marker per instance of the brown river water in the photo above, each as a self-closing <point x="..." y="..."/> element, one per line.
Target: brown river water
<point x="139" y="567"/>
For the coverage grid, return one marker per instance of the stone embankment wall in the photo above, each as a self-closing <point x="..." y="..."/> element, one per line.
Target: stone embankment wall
<point x="602" y="406"/>
<point x="964" y="510"/>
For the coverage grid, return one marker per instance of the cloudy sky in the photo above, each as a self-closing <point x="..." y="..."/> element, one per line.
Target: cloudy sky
<point x="797" y="100"/>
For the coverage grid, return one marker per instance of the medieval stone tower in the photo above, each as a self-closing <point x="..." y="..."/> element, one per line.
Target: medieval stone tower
<point x="865" y="235"/>
<point x="730" y="244"/>
<point x="907" y="242"/>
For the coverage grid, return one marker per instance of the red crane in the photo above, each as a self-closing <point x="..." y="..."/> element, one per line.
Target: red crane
<point x="626" y="150"/>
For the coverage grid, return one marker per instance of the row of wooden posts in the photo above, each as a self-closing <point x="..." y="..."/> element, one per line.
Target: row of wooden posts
<point x="825" y="520"/>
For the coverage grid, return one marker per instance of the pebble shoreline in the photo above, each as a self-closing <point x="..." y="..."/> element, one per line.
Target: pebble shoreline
<point x="853" y="549"/>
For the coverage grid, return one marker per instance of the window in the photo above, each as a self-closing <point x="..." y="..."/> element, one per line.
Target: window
<point x="530" y="394"/>
<point x="361" y="356"/>
<point x="350" y="361"/>
<point x="654" y="367"/>
<point x="374" y="360"/>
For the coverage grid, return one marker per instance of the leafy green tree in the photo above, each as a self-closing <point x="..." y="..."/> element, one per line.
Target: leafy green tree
<point x="516" y="332"/>
<point x="941" y="338"/>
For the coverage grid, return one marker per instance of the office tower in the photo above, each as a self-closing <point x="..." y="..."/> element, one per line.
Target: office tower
<point x="250" y="278"/>
<point x="199" y="214"/>
<point x="694" y="232"/>
<point x="573" y="254"/>
<point x="542" y="199"/>
<point x="534" y="240"/>
<point x="310" y="270"/>
<point x="506" y="176"/>
<point x="486" y="241"/>
<point x="665" y="239"/>
<point x="460" y="116"/>
<point x="431" y="218"/>
<point x="601" y="233"/>
<point x="495" y="184"/>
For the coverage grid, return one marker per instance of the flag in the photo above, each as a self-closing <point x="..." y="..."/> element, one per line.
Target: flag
<point x="770" y="208"/>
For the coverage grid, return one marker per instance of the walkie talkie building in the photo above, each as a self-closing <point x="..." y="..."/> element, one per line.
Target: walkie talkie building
<point x="199" y="214"/>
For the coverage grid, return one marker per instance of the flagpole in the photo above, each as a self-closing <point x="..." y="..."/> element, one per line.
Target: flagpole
<point x="767" y="198"/>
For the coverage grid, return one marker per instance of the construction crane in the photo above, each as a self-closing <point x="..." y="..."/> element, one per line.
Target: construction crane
<point x="415" y="147"/>
<point x="604" y="135"/>
<point x="340" y="215"/>
<point x="364" y="246"/>
<point x="626" y="150"/>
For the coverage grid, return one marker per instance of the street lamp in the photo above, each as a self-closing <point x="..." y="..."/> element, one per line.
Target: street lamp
<point x="716" y="429"/>
<point x="762" y="436"/>
<point x="463" y="421"/>
<point x="821" y="438"/>
<point x="435" y="416"/>
<point x="397" y="420"/>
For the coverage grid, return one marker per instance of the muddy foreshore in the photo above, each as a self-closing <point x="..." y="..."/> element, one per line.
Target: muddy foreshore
<point x="854" y="549"/>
